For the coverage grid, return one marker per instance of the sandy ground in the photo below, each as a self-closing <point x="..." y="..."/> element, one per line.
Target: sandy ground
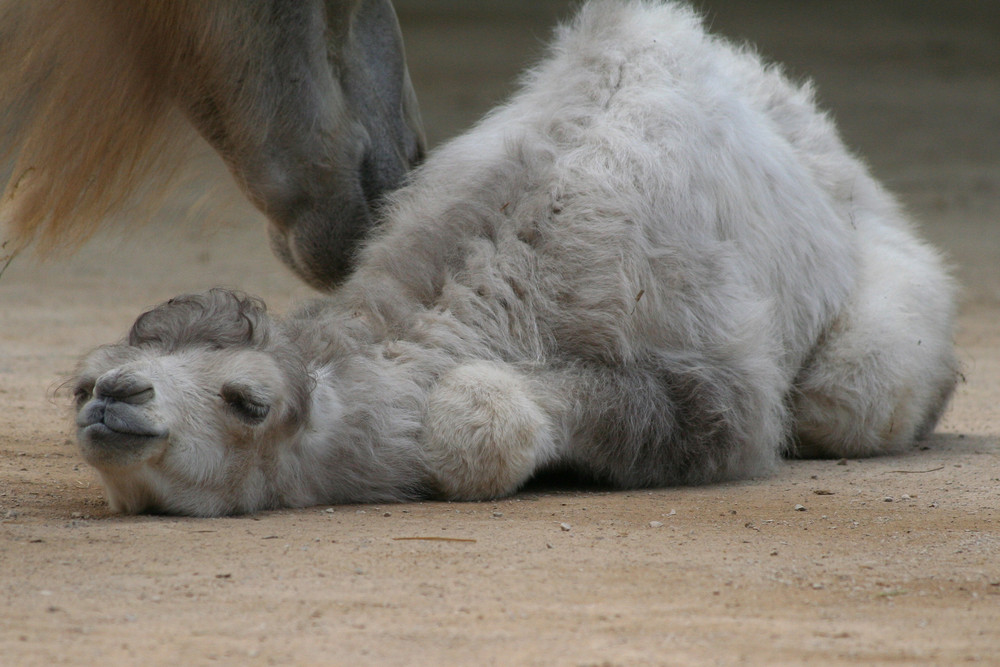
<point x="892" y="561"/>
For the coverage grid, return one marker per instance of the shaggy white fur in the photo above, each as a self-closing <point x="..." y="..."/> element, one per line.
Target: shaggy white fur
<point x="657" y="264"/>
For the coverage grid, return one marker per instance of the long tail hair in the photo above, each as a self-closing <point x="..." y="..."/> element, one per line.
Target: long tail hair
<point x="87" y="124"/>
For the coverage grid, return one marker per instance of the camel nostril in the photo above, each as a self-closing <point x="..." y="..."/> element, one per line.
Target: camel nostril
<point x="139" y="397"/>
<point x="125" y="388"/>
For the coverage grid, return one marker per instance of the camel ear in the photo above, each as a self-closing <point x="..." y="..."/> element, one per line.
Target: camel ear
<point x="246" y="403"/>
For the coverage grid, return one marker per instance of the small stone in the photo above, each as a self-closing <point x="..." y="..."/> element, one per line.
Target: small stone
<point x="566" y="527"/>
<point x="905" y="496"/>
<point x="888" y="499"/>
<point x="800" y="508"/>
<point x="497" y="515"/>
<point x="655" y="524"/>
<point x="387" y="514"/>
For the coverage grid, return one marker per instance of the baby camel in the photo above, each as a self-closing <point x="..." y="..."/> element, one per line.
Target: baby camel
<point x="657" y="264"/>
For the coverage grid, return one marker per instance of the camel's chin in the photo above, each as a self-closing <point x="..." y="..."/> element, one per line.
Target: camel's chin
<point x="104" y="447"/>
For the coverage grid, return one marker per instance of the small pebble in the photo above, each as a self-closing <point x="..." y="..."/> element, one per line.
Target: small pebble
<point x="800" y="508"/>
<point x="566" y="526"/>
<point x="888" y="499"/>
<point x="387" y="514"/>
<point x="655" y="524"/>
<point x="498" y="514"/>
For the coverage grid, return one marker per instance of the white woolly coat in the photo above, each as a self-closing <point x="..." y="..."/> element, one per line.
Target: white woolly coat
<point x="656" y="264"/>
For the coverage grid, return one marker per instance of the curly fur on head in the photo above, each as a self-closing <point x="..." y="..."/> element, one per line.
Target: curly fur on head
<point x="657" y="264"/>
<point x="217" y="318"/>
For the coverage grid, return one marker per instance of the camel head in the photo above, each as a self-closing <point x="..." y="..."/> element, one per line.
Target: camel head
<point x="189" y="413"/>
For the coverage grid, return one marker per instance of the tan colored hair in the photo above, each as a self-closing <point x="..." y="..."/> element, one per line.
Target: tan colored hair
<point x="87" y="124"/>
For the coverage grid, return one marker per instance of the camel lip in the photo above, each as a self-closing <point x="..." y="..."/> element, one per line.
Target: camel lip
<point x="104" y="420"/>
<point x="99" y="440"/>
<point x="107" y="449"/>
<point x="101" y="431"/>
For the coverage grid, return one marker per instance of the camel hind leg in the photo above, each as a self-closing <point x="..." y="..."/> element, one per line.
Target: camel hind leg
<point x="882" y="374"/>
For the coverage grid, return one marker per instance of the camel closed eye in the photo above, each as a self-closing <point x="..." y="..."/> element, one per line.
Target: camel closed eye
<point x="245" y="403"/>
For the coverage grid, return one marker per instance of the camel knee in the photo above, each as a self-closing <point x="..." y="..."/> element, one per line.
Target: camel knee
<point x="884" y="372"/>
<point x="485" y="435"/>
<point x="850" y="412"/>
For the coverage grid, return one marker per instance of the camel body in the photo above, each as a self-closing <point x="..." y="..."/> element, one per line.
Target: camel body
<point x="657" y="264"/>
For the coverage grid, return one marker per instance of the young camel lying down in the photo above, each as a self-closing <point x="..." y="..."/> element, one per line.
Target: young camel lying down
<point x="657" y="264"/>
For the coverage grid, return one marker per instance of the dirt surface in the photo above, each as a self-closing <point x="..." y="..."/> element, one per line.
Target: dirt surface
<point x="882" y="561"/>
